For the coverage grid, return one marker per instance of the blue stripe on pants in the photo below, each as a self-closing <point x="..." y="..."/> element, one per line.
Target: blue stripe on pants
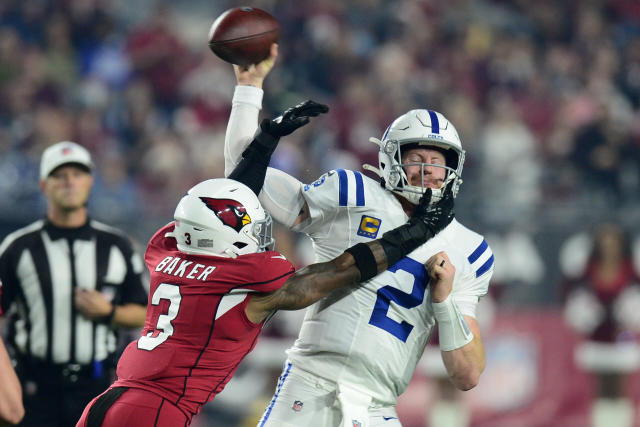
<point x="283" y="378"/>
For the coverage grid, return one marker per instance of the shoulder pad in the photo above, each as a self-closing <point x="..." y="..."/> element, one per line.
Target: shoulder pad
<point x="473" y="246"/>
<point x="348" y="186"/>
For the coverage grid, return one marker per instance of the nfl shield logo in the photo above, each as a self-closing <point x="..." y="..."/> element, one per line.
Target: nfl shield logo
<point x="356" y="423"/>
<point x="297" y="406"/>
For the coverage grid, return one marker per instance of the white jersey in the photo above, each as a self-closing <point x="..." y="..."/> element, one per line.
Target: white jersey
<point x="372" y="337"/>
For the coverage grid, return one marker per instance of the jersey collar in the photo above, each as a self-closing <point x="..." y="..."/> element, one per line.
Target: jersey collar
<point x="82" y="233"/>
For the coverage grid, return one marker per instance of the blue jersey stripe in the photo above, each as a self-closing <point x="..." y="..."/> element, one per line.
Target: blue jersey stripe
<point x="435" y="123"/>
<point x="343" y="196"/>
<point x="267" y="412"/>
<point x="359" y="189"/>
<point x="479" y="251"/>
<point x="486" y="266"/>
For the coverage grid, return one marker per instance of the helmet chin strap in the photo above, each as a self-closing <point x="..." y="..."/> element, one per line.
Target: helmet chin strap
<point x="436" y="193"/>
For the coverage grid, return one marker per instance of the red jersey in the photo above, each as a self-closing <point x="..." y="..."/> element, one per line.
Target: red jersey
<point x="197" y="331"/>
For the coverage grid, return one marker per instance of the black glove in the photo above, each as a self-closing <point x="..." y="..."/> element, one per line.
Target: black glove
<point x="437" y="216"/>
<point x="426" y="222"/>
<point x="293" y="118"/>
<point x="252" y="168"/>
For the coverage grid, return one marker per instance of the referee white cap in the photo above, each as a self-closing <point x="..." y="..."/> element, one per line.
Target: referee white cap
<point x="63" y="153"/>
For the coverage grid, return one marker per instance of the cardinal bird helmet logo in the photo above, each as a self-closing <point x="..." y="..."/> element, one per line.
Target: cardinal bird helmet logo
<point x="229" y="211"/>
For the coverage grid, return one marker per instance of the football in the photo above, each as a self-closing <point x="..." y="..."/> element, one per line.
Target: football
<point x="243" y="35"/>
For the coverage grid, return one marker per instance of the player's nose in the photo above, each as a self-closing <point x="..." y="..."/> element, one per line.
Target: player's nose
<point x="427" y="169"/>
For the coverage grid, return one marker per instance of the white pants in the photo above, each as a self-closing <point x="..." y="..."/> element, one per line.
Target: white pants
<point x="302" y="399"/>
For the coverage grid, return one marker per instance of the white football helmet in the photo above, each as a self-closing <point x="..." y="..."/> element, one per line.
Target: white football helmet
<point x="426" y="128"/>
<point x="221" y="217"/>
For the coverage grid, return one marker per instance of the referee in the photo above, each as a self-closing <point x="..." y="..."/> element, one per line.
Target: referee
<point x="68" y="282"/>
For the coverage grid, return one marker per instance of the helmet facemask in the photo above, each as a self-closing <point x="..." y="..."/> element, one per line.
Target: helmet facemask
<point x="400" y="182"/>
<point x="418" y="129"/>
<point x="262" y="230"/>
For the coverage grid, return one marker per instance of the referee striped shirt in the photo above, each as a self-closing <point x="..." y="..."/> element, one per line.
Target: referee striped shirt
<point x="40" y="267"/>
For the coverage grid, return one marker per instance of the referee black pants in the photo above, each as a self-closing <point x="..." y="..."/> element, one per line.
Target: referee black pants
<point x="55" y="399"/>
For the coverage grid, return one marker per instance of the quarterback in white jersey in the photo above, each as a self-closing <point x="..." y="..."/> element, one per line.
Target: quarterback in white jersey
<point x="357" y="352"/>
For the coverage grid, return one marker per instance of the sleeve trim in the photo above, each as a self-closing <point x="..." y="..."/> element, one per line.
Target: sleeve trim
<point x="485" y="267"/>
<point x="265" y="281"/>
<point x="347" y="186"/>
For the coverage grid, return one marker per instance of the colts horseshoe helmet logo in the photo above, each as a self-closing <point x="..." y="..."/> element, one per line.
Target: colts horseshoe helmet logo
<point x="230" y="212"/>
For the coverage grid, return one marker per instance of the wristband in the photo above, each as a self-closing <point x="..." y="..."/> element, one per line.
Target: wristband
<point x="453" y="331"/>
<point x="365" y="260"/>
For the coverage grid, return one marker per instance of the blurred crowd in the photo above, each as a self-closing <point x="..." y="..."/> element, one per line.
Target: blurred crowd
<point x="546" y="99"/>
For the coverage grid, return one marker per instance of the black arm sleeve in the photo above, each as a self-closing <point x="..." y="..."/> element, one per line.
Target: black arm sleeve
<point x="404" y="239"/>
<point x="252" y="169"/>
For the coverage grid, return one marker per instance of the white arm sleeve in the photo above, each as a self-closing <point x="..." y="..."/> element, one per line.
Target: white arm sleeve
<point x="473" y="273"/>
<point x="281" y="194"/>
<point x="243" y="123"/>
<point x="468" y="292"/>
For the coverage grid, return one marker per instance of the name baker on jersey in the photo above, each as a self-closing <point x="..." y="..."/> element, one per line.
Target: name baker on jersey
<point x="170" y="263"/>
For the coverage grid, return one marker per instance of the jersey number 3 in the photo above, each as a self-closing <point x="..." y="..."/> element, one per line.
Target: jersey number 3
<point x="164" y="327"/>
<point x="386" y="294"/>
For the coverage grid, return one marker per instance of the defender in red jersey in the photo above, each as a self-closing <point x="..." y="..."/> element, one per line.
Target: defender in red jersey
<point x="213" y="285"/>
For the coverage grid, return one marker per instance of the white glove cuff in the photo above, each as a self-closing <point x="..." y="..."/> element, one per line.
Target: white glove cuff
<point x="453" y="330"/>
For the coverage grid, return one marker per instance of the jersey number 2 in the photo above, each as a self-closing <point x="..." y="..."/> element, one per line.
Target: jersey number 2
<point x="386" y="294"/>
<point x="164" y="327"/>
